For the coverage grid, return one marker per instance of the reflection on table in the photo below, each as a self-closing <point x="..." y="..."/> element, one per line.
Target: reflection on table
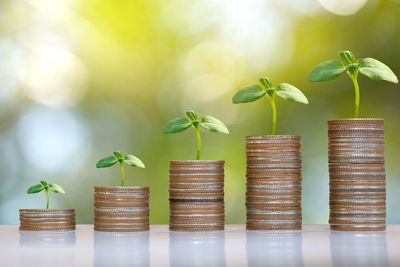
<point x="275" y="248"/>
<point x="316" y="245"/>
<point x="121" y="249"/>
<point x="197" y="248"/>
<point x="39" y="248"/>
<point x="358" y="249"/>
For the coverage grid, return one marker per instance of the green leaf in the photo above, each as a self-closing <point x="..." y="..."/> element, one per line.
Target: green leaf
<point x="352" y="68"/>
<point x="213" y="125"/>
<point x="248" y="94"/>
<point x="117" y="154"/>
<point x="291" y="93"/>
<point x="133" y="161"/>
<point x="347" y="56"/>
<point x="177" y="125"/>
<point x="271" y="92"/>
<point x="106" y="162"/>
<point x="266" y="82"/>
<point x="326" y="71"/>
<point x="376" y="70"/>
<point x="196" y="123"/>
<point x="56" y="188"/>
<point x="192" y="115"/>
<point x="35" y="189"/>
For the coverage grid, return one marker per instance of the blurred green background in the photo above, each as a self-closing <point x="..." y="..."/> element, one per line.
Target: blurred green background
<point x="80" y="79"/>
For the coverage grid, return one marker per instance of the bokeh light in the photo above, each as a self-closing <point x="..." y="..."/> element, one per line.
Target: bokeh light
<point x="343" y="7"/>
<point x="11" y="56"/>
<point x="53" y="76"/>
<point x="53" y="141"/>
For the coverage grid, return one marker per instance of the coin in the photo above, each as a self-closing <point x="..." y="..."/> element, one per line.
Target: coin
<point x="191" y="163"/>
<point x="121" y="189"/>
<point x="196" y="227"/>
<point x="196" y="212"/>
<point x="197" y="205"/>
<point x="271" y="226"/>
<point x="121" y="228"/>
<point x="358" y="227"/>
<point x="30" y="228"/>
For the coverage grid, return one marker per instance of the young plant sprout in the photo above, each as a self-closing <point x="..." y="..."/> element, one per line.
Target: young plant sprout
<point x="120" y="159"/>
<point x="253" y="92"/>
<point x="46" y="187"/>
<point x="370" y="67"/>
<point x="196" y="122"/>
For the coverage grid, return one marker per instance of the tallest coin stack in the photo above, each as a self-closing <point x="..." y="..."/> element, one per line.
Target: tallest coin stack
<point x="357" y="174"/>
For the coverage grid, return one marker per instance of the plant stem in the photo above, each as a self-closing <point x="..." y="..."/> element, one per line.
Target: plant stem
<point x="272" y="100"/>
<point x="198" y="143"/>
<point x="48" y="200"/>
<point x="123" y="174"/>
<point x="357" y="94"/>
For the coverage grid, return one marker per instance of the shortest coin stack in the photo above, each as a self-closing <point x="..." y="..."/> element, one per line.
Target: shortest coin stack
<point x="121" y="208"/>
<point x="273" y="196"/>
<point x="47" y="220"/>
<point x="196" y="195"/>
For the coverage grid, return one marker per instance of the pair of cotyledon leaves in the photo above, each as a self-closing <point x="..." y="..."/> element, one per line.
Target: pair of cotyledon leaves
<point x="193" y="120"/>
<point x="121" y="159"/>
<point x="254" y="92"/>
<point x="370" y="67"/>
<point x="45" y="186"/>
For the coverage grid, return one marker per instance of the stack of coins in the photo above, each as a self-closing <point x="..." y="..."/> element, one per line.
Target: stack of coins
<point x="196" y="195"/>
<point x="273" y="196"/>
<point x="121" y="208"/>
<point x="357" y="174"/>
<point x="47" y="220"/>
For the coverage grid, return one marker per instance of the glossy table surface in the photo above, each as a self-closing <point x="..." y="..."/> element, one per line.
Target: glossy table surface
<point x="315" y="245"/>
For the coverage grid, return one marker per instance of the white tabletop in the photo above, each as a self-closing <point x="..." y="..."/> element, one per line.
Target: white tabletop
<point x="315" y="245"/>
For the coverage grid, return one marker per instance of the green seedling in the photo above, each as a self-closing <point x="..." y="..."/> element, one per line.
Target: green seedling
<point x="46" y="187"/>
<point x="370" y="67"/>
<point x="196" y="122"/>
<point x="120" y="159"/>
<point x="284" y="90"/>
